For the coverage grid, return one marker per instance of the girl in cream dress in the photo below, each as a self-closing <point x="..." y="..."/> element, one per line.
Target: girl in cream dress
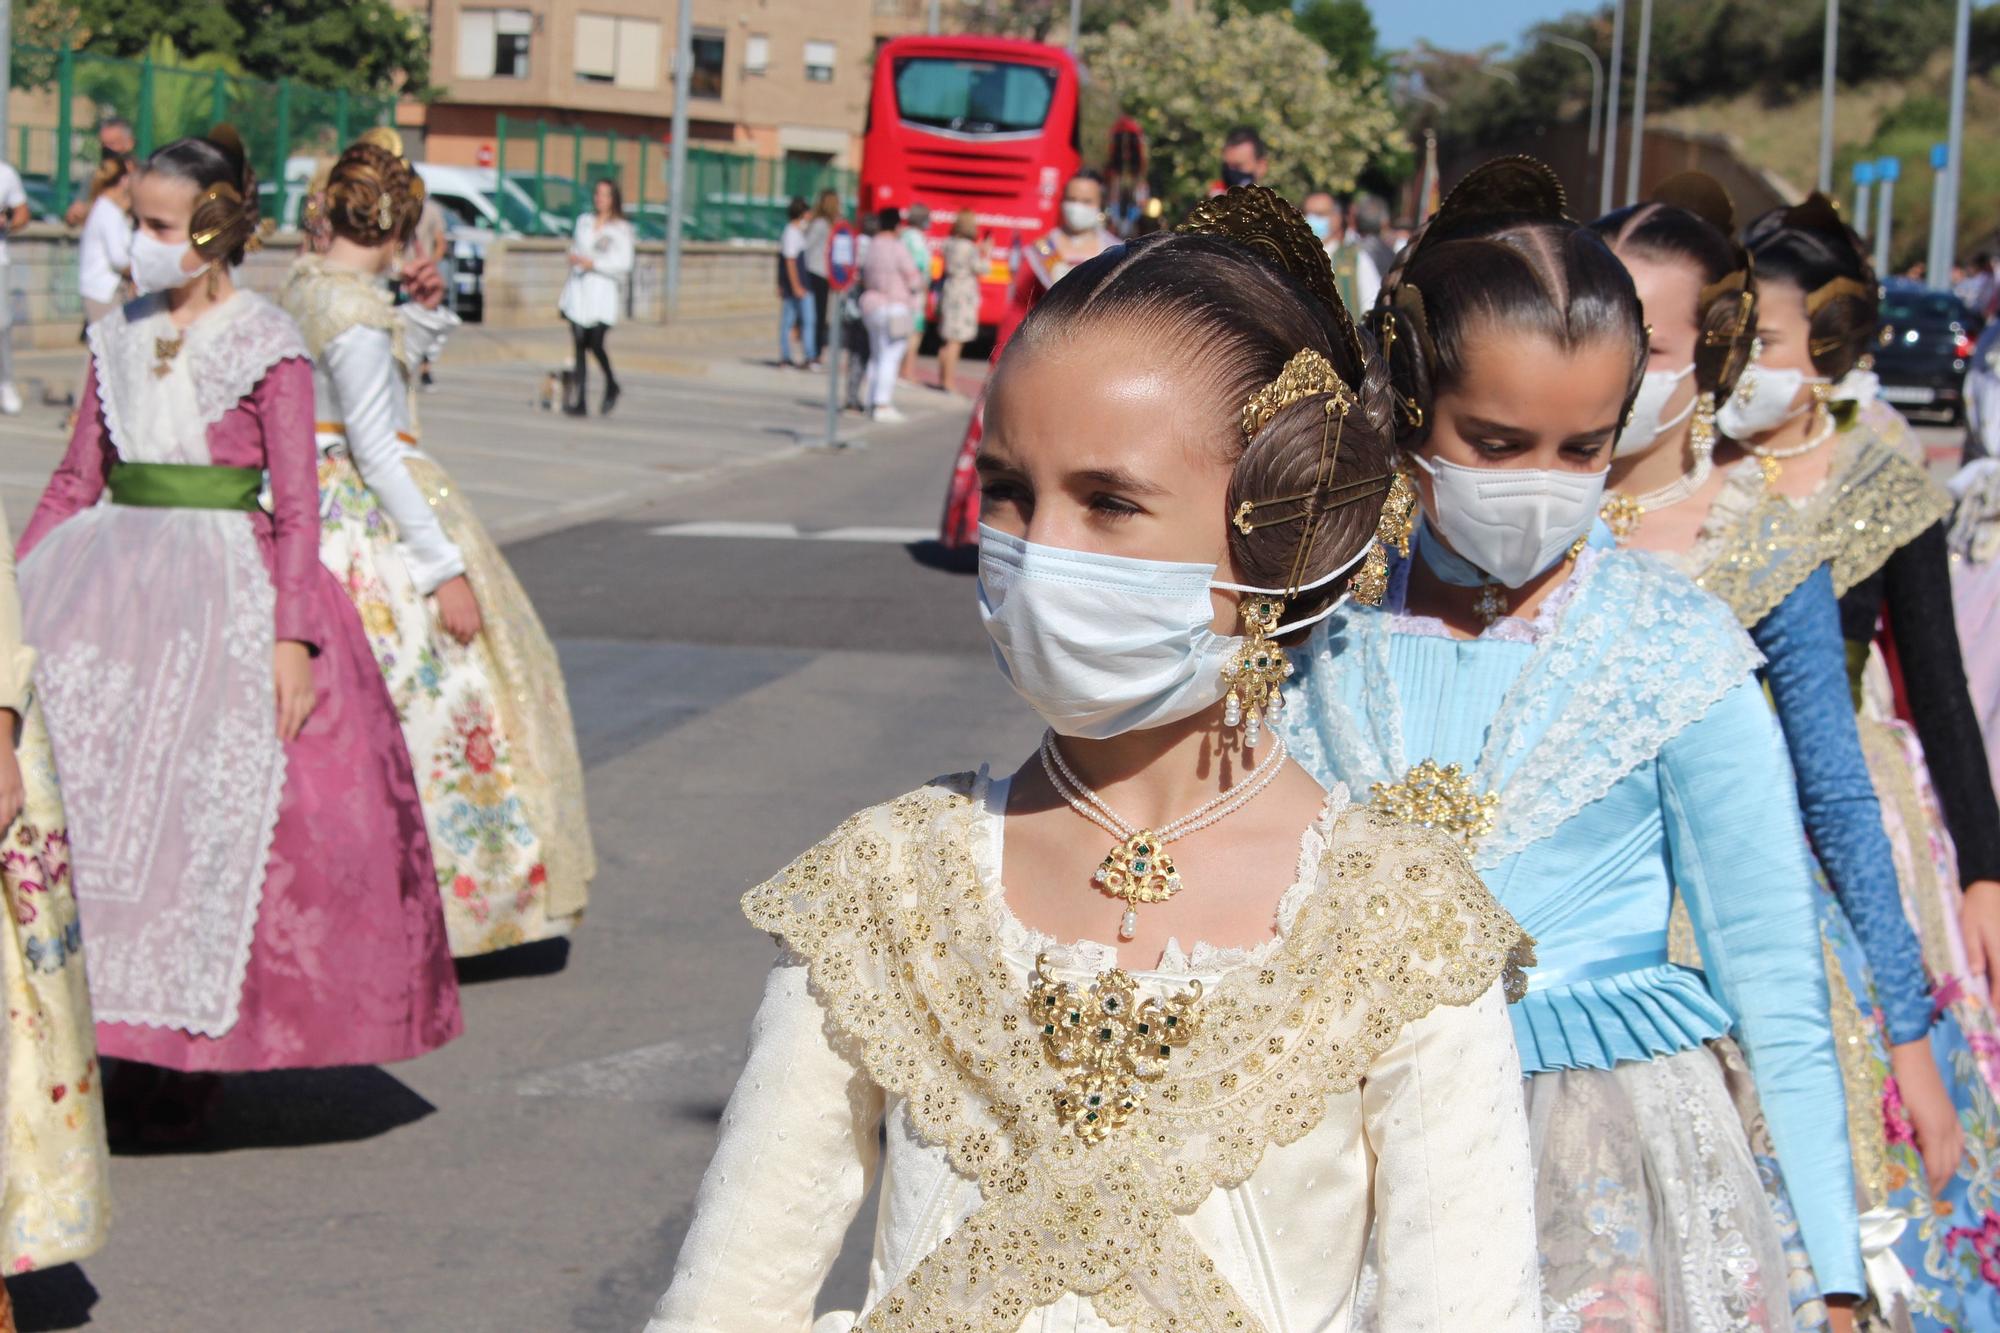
<point x="1176" y="1094"/>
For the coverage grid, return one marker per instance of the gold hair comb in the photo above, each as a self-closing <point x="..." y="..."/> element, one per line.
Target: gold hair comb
<point x="1304" y="375"/>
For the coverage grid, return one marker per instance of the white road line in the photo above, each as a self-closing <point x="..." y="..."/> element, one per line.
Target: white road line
<point x="789" y="532"/>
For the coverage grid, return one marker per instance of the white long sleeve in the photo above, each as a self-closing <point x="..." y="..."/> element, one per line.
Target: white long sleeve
<point x="798" y="1152"/>
<point x="615" y="259"/>
<point x="1454" y="1198"/>
<point x="369" y="385"/>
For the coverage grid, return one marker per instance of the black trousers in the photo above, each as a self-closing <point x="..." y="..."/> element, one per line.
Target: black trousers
<point x="590" y="341"/>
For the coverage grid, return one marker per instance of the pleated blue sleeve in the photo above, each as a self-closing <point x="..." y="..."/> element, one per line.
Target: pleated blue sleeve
<point x="1807" y="673"/>
<point x="1739" y="858"/>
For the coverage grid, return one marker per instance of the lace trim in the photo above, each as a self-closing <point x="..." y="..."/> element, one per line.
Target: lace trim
<point x="327" y="300"/>
<point x="1872" y="504"/>
<point x="1507" y="629"/>
<point x="1975" y="518"/>
<point x="907" y="961"/>
<point x="1024" y="943"/>
<point x="1634" y="657"/>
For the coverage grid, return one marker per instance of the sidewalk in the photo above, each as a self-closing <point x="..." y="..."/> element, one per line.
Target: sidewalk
<point x="688" y="412"/>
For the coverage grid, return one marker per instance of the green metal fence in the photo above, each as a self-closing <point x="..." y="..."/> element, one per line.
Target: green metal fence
<point x="731" y="195"/>
<point x="279" y="121"/>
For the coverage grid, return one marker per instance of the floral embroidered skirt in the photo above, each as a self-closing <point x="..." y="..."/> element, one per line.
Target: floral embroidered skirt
<point x="1652" y="1209"/>
<point x="487" y="806"/>
<point x="54" y="1200"/>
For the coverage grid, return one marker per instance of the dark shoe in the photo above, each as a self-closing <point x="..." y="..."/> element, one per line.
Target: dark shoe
<point x="574" y="404"/>
<point x="610" y="399"/>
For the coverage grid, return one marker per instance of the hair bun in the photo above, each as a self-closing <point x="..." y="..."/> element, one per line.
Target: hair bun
<point x="1700" y="194"/>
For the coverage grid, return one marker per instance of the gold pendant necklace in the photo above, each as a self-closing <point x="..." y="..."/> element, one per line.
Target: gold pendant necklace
<point x="164" y="352"/>
<point x="1137" y="869"/>
<point x="1492" y="604"/>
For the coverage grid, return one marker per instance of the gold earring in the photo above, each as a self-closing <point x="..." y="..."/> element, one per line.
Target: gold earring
<point x="1393" y="529"/>
<point x="1701" y="436"/>
<point x="1256" y="671"/>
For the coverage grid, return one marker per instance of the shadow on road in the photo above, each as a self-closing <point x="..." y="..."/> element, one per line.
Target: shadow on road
<point x="52" y="1299"/>
<point x="935" y="554"/>
<point x="542" y="958"/>
<point x="296" y="1108"/>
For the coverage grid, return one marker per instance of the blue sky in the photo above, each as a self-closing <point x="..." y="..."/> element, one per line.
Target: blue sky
<point x="1463" y="25"/>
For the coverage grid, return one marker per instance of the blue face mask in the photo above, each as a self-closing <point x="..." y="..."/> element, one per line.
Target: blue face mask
<point x="1321" y="224"/>
<point x="1100" y="645"/>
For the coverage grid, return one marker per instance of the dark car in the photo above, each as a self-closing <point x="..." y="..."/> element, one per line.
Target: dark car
<point x="1922" y="349"/>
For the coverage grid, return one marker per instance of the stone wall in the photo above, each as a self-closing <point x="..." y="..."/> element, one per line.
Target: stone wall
<point x="523" y="278"/>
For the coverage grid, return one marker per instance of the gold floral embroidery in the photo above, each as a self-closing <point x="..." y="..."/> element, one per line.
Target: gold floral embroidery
<point x="904" y="954"/>
<point x="1875" y="502"/>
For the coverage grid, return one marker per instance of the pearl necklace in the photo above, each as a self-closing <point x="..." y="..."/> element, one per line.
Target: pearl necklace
<point x="1622" y="513"/>
<point x="1137" y="870"/>
<point x="1811" y="443"/>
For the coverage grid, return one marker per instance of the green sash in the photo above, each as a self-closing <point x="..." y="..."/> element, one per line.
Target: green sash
<point x="184" y="486"/>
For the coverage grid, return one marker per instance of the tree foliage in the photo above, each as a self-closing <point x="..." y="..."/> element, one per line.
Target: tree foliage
<point x="1188" y="80"/>
<point x="361" y="45"/>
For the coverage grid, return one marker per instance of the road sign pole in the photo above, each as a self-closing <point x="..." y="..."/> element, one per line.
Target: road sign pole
<point x="1864" y="178"/>
<point x="841" y="266"/>
<point x="1937" y="261"/>
<point x="1961" y="50"/>
<point x="1887" y="169"/>
<point x="1829" y="58"/>
<point x="1610" y="163"/>
<point x="677" y="163"/>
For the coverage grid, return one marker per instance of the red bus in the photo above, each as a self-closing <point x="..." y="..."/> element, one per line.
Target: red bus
<point x="986" y="123"/>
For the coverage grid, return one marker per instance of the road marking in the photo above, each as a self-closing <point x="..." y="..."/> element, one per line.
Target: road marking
<point x="790" y="532"/>
<point x="657" y="1073"/>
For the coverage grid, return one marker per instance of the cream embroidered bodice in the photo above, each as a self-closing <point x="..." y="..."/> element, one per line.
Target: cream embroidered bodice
<point x="1358" y="1071"/>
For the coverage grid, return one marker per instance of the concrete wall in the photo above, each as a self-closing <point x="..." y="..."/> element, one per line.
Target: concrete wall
<point x="524" y="277"/>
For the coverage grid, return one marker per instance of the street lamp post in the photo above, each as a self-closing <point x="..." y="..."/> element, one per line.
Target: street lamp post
<point x="1075" y="22"/>
<point x="678" y="154"/>
<point x="1638" y="153"/>
<point x="1961" y="43"/>
<point x="1611" y="107"/>
<point x="1864" y="178"/>
<point x="1596" y="80"/>
<point x="1887" y="169"/>
<point x="1828" y="56"/>
<point x="931" y="22"/>
<point x="1937" y="260"/>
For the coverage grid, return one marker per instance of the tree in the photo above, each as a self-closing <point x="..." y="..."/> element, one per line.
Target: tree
<point x="1345" y="29"/>
<point x="1188" y="80"/>
<point x="365" y="46"/>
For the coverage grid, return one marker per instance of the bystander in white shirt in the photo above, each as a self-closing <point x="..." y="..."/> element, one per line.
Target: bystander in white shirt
<point x="104" y="255"/>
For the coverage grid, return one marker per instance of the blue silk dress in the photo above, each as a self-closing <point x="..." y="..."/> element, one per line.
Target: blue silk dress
<point x="1627" y="749"/>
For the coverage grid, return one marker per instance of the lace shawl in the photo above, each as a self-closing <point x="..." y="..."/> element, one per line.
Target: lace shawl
<point x="1872" y="504"/>
<point x="1754" y="548"/>
<point x="887" y="914"/>
<point x="1637" y="655"/>
<point x="329" y="299"/>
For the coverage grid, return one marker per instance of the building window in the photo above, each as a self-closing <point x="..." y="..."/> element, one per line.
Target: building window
<point x="707" y="75"/>
<point x="819" y="62"/>
<point x="757" y="54"/>
<point x="493" y="43"/>
<point x="623" y="52"/>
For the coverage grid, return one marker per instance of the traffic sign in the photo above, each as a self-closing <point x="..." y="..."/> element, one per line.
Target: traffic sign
<point x="1940" y="156"/>
<point x="1888" y="168"/>
<point x="1864" y="173"/>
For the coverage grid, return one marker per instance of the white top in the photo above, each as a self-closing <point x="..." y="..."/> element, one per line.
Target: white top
<point x="596" y="295"/>
<point x="1430" y="1150"/>
<point x="12" y="196"/>
<point x="357" y="383"/>
<point x="105" y="251"/>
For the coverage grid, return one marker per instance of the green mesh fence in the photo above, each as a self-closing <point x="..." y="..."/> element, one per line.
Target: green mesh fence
<point x="280" y="121"/>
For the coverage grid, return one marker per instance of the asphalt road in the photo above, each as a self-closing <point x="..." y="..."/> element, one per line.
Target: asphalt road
<point x="736" y="697"/>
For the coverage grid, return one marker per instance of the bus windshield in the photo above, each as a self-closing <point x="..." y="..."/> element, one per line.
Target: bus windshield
<point x="974" y="96"/>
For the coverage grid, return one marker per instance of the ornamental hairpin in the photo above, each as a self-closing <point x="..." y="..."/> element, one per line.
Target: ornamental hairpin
<point x="1304" y="375"/>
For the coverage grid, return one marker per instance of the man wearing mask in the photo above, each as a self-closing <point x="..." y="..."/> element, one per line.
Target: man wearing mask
<point x="1245" y="159"/>
<point x="1328" y="222"/>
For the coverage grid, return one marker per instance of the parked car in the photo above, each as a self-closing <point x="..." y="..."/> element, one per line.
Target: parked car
<point x="1922" y="349"/>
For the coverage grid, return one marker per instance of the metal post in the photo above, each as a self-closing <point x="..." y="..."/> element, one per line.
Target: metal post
<point x="1611" y="107"/>
<point x="1826" y="80"/>
<point x="283" y="145"/>
<point x="1596" y="81"/>
<point x="677" y="170"/>
<point x="65" y="131"/>
<point x="541" y="159"/>
<point x="1638" y="154"/>
<point x="1937" y="264"/>
<point x="1864" y="179"/>
<point x="1955" y="138"/>
<point x="931" y="24"/>
<point x="1886" y="171"/>
<point x="500" y="145"/>
<point x="1075" y="22"/>
<point x="6" y="72"/>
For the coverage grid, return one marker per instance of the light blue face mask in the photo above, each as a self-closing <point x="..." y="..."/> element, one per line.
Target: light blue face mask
<point x="1100" y="645"/>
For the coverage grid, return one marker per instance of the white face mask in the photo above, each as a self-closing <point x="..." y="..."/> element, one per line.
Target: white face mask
<point x="1763" y="401"/>
<point x="1512" y="523"/>
<point x="1644" y="428"/>
<point x="1078" y="218"/>
<point x="1100" y="645"/>
<point x="156" y="266"/>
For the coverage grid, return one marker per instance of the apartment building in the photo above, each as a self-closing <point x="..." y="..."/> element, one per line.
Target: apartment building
<point x="775" y="77"/>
